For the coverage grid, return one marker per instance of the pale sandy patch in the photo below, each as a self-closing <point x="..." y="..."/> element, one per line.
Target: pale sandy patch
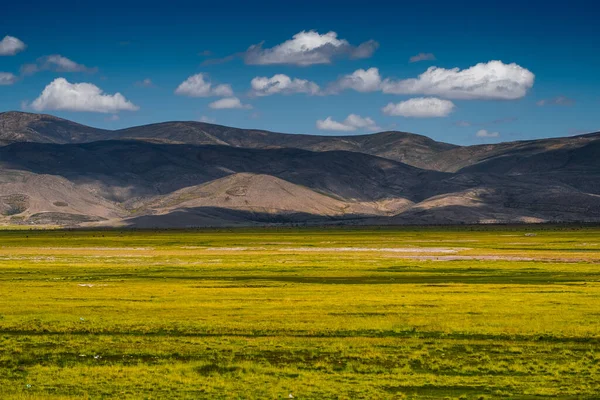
<point x="378" y="250"/>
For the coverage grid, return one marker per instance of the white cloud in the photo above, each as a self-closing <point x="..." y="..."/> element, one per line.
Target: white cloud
<point x="57" y="63"/>
<point x="223" y="90"/>
<point x="486" y="134"/>
<point x="351" y="123"/>
<point x="422" y="57"/>
<point x="556" y="101"/>
<point x="208" y="120"/>
<point x="113" y="118"/>
<point x="422" y="107"/>
<point x="6" y="78"/>
<point x="10" y="45"/>
<point x="308" y="48"/>
<point x="330" y="125"/>
<point x="360" y="80"/>
<point x="198" y="86"/>
<point x="62" y="95"/>
<point x="492" y="80"/>
<point x="282" y="84"/>
<point x="227" y="103"/>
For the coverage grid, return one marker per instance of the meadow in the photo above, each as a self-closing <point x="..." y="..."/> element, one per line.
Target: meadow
<point x="274" y="313"/>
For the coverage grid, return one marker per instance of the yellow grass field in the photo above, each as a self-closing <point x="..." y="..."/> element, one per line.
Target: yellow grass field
<point x="391" y="313"/>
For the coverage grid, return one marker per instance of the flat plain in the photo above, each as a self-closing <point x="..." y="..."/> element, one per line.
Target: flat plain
<point x="275" y="313"/>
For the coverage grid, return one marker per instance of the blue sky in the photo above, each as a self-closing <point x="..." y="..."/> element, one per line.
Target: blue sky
<point x="545" y="84"/>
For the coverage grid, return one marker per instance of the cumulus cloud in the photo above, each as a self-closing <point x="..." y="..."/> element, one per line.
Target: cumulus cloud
<point x="360" y="80"/>
<point x="556" y="101"/>
<point x="56" y="63"/>
<point x="351" y="123"/>
<point x="422" y="57"/>
<point x="422" y="107"/>
<point x="198" y="86"/>
<point x="492" y="80"/>
<point x="113" y="118"/>
<point x="308" y="48"/>
<point x="282" y="84"/>
<point x="10" y="45"/>
<point x="229" y="103"/>
<point x="62" y="95"/>
<point x="482" y="133"/>
<point x="6" y="78"/>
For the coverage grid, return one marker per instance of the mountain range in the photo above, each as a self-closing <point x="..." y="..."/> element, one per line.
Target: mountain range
<point x="193" y="174"/>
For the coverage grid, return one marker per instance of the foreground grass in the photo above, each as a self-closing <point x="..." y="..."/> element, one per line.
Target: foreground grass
<point x="388" y="313"/>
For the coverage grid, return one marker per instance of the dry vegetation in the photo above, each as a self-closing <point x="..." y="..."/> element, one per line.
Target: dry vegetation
<point x="507" y="313"/>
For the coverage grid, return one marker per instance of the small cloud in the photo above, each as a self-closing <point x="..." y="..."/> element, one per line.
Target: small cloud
<point x="304" y="49"/>
<point x="422" y="107"/>
<point x="422" y="57"/>
<point x="229" y="103"/>
<point x="282" y="84"/>
<point x="198" y="86"/>
<point x="6" y="78"/>
<point x="56" y="63"/>
<point x="113" y="118"/>
<point x="205" y="53"/>
<point x="10" y="45"/>
<point x="482" y="133"/>
<point x="63" y="95"/>
<point x="207" y="120"/>
<point x="145" y="83"/>
<point x="351" y="123"/>
<point x="556" y="101"/>
<point x="360" y="80"/>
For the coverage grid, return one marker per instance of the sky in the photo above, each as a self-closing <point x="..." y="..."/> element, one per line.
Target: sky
<point x="464" y="72"/>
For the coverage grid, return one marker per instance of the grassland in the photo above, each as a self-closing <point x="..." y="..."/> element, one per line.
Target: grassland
<point x="507" y="313"/>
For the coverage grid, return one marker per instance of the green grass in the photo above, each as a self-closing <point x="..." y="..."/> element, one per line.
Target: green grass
<point x="415" y="313"/>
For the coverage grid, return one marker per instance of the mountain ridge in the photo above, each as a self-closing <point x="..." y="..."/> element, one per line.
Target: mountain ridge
<point x="409" y="148"/>
<point x="182" y="174"/>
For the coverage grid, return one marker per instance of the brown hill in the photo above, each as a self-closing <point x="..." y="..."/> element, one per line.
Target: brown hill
<point x="194" y="174"/>
<point x="41" y="128"/>
<point x="400" y="146"/>
<point x="264" y="194"/>
<point x="408" y="148"/>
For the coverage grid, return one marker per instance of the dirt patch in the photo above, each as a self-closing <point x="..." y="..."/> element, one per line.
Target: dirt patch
<point x="465" y="258"/>
<point x="235" y="248"/>
<point x="378" y="250"/>
<point x="100" y="248"/>
<point x="490" y="258"/>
